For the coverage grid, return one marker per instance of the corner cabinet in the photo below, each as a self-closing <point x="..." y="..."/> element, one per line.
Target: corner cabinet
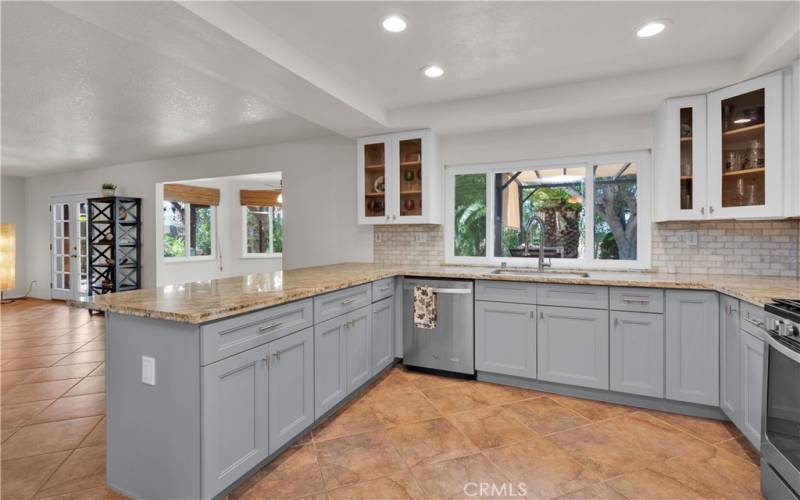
<point x="745" y="149"/>
<point x="399" y="179"/>
<point x="721" y="155"/>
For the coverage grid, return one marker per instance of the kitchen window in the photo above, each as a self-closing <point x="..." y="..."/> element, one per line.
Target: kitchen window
<point x="188" y="230"/>
<point x="262" y="229"/>
<point x="583" y="212"/>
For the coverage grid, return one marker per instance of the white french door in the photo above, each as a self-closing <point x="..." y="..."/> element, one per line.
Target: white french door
<point x="68" y="246"/>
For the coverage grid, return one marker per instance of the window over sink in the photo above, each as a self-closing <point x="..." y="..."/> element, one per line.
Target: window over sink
<point x="584" y="212"/>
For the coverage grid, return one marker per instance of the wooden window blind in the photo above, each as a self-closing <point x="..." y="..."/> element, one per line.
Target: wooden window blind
<point x="196" y="195"/>
<point x="259" y="197"/>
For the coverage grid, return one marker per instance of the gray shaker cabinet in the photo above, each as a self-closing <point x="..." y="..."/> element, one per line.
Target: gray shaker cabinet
<point x="505" y="338"/>
<point x="572" y="346"/>
<point x="330" y="364"/>
<point x="291" y="387"/>
<point x="382" y="334"/>
<point x="730" y="359"/>
<point x="752" y="376"/>
<point x="358" y="347"/>
<point x="637" y="353"/>
<point x="692" y="344"/>
<point x="235" y="418"/>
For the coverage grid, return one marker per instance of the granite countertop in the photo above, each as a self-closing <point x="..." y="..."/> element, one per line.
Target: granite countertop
<point x="203" y="301"/>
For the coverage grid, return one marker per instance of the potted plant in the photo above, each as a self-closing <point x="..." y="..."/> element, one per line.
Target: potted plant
<point x="109" y="189"/>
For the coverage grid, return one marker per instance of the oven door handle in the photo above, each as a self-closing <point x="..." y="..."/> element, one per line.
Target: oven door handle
<point x="789" y="353"/>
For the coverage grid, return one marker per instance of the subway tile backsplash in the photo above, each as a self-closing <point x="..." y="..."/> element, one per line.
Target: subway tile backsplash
<point x="755" y="248"/>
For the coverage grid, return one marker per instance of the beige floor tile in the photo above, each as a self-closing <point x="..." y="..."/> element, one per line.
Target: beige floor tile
<point x="99" y="371"/>
<point x="742" y="448"/>
<point x="13" y="378"/>
<point x="95" y="345"/>
<point x="102" y="493"/>
<point x="712" y="472"/>
<point x="97" y="436"/>
<point x="399" y="486"/>
<point x="44" y="350"/>
<point x="430" y="441"/>
<point x="355" y="459"/>
<point x="39" y="391"/>
<point x="47" y="438"/>
<point x="393" y="383"/>
<point x="297" y="475"/>
<point x="24" y="476"/>
<point x="85" y="469"/>
<point x="89" y="385"/>
<point x="650" y="485"/>
<point x="621" y="445"/>
<point x="422" y="381"/>
<point x="73" y="407"/>
<point x="459" y="478"/>
<point x="593" y="410"/>
<point x="491" y="427"/>
<point x="32" y="362"/>
<point x="402" y="408"/>
<point x="710" y="431"/>
<point x="473" y="395"/>
<point x="83" y="357"/>
<point x="64" y="372"/>
<point x="545" y="416"/>
<point x="356" y="418"/>
<point x="14" y="416"/>
<point x="544" y="469"/>
<point x="594" y="492"/>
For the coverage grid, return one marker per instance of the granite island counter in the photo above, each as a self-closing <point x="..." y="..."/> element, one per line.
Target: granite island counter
<point x="208" y="381"/>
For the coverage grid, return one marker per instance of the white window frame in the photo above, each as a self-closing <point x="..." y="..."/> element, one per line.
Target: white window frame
<point x="644" y="210"/>
<point x="187" y="241"/>
<point x="259" y="255"/>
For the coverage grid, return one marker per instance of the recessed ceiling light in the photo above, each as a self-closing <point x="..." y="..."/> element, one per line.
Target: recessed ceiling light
<point x="652" y="28"/>
<point x="394" y="24"/>
<point x="432" y="71"/>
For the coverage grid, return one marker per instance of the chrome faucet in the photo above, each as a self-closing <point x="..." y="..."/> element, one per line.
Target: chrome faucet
<point x="536" y="220"/>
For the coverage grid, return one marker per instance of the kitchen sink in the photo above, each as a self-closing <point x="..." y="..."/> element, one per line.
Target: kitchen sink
<point x="535" y="272"/>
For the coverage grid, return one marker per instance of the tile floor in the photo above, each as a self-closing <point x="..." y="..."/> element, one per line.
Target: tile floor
<point x="411" y="435"/>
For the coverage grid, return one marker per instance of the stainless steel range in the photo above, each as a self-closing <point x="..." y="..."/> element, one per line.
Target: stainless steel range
<point x="780" y="436"/>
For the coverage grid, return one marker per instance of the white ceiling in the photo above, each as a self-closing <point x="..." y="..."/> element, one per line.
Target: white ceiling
<point x="75" y="95"/>
<point x="494" y="47"/>
<point x="97" y="83"/>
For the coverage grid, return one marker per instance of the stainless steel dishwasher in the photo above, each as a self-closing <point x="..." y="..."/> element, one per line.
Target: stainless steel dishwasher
<point x="450" y="346"/>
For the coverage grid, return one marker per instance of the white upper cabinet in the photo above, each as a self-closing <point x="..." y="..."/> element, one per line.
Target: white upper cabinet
<point x="399" y="179"/>
<point x="681" y="156"/>
<point x="723" y="155"/>
<point x="745" y="149"/>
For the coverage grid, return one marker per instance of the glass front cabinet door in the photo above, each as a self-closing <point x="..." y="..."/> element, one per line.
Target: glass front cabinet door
<point x="399" y="179"/>
<point x="681" y="191"/>
<point x="745" y="149"/>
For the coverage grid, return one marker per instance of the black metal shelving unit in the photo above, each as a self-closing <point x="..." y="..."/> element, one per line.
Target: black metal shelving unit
<point x="115" y="244"/>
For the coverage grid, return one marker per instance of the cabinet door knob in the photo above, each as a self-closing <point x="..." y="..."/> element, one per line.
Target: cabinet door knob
<point x="616" y="321"/>
<point x="541" y="315"/>
<point x="710" y="210"/>
<point x="702" y="210"/>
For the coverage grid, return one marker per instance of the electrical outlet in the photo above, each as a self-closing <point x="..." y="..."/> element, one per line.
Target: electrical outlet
<point x="420" y="237"/>
<point x="148" y="370"/>
<point x="690" y="237"/>
<point x="378" y="236"/>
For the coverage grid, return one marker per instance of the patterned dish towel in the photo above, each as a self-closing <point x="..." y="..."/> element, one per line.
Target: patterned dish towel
<point x="425" y="315"/>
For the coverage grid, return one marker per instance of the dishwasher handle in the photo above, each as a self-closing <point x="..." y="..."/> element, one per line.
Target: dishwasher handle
<point x="453" y="291"/>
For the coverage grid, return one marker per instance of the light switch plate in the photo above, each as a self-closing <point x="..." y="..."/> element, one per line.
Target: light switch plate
<point x="148" y="370"/>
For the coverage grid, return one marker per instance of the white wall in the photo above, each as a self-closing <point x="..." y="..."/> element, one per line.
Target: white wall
<point x="319" y="200"/>
<point x="12" y="211"/>
<point x="228" y="259"/>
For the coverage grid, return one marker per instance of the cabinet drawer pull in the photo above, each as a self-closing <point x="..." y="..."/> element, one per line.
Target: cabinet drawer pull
<point x="616" y="321"/>
<point x="269" y="327"/>
<point x="384" y="288"/>
<point x="347" y="302"/>
<point x="541" y="315"/>
<point x="636" y="300"/>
